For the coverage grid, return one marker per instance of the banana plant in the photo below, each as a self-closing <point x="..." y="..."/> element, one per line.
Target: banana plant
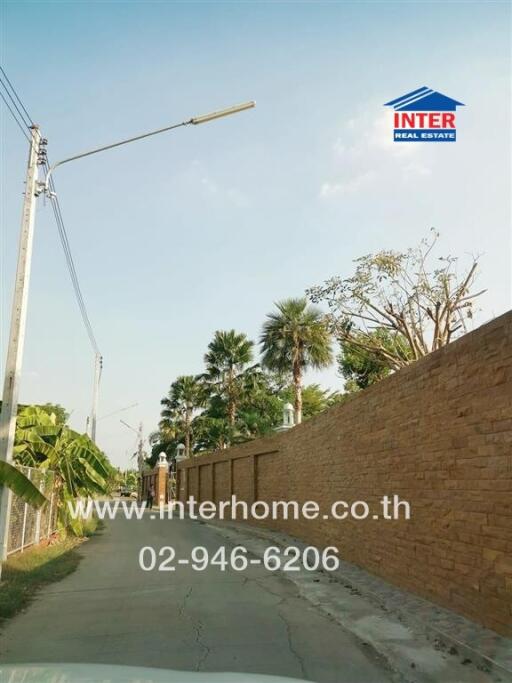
<point x="20" y="485"/>
<point x="83" y="469"/>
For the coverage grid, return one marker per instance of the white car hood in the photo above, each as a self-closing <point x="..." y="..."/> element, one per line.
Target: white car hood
<point x="106" y="673"/>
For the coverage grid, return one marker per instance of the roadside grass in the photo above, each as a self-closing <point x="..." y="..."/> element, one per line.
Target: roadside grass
<point x="24" y="574"/>
<point x="93" y="526"/>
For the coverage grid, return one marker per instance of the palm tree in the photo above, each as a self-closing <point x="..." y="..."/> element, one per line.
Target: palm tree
<point x="228" y="355"/>
<point x="165" y="439"/>
<point x="186" y="395"/>
<point x="294" y="339"/>
<point x="213" y="433"/>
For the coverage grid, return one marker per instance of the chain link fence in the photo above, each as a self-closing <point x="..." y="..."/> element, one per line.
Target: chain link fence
<point x="28" y="526"/>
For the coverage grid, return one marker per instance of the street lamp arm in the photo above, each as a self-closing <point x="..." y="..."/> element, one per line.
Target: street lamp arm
<point x="130" y="427"/>
<point x="111" y="146"/>
<point x="196" y="120"/>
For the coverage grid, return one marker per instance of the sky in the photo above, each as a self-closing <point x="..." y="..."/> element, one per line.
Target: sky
<point x="205" y="227"/>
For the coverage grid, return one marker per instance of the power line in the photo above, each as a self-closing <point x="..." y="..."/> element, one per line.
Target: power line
<point x="30" y="122"/>
<point x="15" y="105"/>
<point x="24" y="122"/>
<point x="71" y="264"/>
<point x="21" y="126"/>
<point x="19" y="113"/>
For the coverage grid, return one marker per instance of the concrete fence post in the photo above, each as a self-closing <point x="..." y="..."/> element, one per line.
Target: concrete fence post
<point x="24" y="527"/>
<point x="50" y="512"/>
<point x="25" y="513"/>
<point x="37" y="534"/>
<point x="254" y="473"/>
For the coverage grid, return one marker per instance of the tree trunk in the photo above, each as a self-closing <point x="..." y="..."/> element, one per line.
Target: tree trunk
<point x="231" y="413"/>
<point x="187" y="435"/>
<point x="297" y="385"/>
<point x="231" y="400"/>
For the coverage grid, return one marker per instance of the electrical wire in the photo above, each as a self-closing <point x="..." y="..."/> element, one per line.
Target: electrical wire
<point x="24" y="122"/>
<point x="21" y="126"/>
<point x="70" y="263"/>
<point x="19" y="113"/>
<point x="30" y="122"/>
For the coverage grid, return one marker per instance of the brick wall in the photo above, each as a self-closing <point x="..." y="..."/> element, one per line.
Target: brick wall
<point x="439" y="435"/>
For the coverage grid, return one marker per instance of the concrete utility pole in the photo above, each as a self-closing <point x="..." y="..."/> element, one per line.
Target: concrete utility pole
<point x="19" y="313"/>
<point x="98" y="366"/>
<point x="17" y="331"/>
<point x="196" y="120"/>
<point x="140" y="443"/>
<point x="140" y="454"/>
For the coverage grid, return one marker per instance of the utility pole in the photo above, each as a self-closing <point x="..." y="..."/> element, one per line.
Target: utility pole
<point x="140" y="444"/>
<point x="98" y="366"/>
<point x="17" y="331"/>
<point x="140" y="447"/>
<point x="140" y="455"/>
<point x="33" y="188"/>
<point x="48" y="189"/>
<point x="140" y="463"/>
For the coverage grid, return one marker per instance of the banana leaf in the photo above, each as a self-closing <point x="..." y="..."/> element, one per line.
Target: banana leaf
<point x="20" y="485"/>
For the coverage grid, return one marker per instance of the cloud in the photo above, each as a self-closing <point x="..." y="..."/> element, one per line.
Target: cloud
<point x="416" y="169"/>
<point x="199" y="176"/>
<point x="350" y="186"/>
<point x="365" y="154"/>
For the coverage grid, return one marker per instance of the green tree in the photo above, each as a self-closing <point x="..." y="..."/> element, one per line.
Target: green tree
<point x="294" y="339"/>
<point x="260" y="409"/>
<point x="360" y="367"/>
<point x="164" y="440"/>
<point x="124" y="479"/>
<point x="186" y="395"/>
<point x="61" y="414"/>
<point x="229" y="353"/>
<point x="258" y="412"/>
<point x="314" y="399"/>
<point x="213" y="433"/>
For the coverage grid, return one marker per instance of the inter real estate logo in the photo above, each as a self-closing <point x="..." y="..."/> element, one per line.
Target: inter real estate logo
<point x="424" y="115"/>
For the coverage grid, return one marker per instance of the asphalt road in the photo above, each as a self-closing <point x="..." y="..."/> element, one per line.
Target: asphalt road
<point x="110" y="611"/>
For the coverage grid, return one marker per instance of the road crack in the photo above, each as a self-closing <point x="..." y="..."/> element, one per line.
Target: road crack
<point x="282" y="600"/>
<point x="181" y="609"/>
<point x="291" y="647"/>
<point x="198" y="629"/>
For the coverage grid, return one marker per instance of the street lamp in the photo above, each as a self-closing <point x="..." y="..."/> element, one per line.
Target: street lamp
<point x="194" y="121"/>
<point x="46" y="188"/>
<point x="34" y="188"/>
